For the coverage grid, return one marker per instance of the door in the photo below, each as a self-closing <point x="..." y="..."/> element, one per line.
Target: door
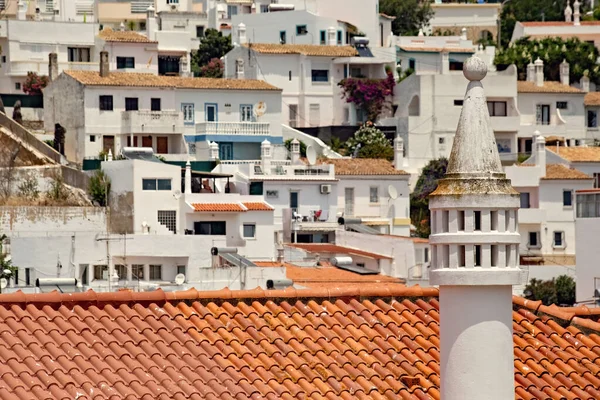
<point x="293" y="121"/>
<point x="543" y="114"/>
<point x="162" y="145"/>
<point x="246" y="114"/>
<point x="349" y="202"/>
<point x="147" y="141"/>
<point x="211" y="113"/>
<point x="315" y="115"/>
<point x="135" y="141"/>
<point x="294" y="201"/>
<point x="108" y="143"/>
<point x="226" y="151"/>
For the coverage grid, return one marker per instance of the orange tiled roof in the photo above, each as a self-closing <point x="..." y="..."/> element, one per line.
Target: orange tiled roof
<point x="549" y="87"/>
<point x="134" y="79"/>
<point x="558" y="23"/>
<point x="386" y="16"/>
<point x="592" y="99"/>
<point x="560" y="171"/>
<point x="218" y="207"/>
<point x="577" y="154"/>
<point x="332" y="248"/>
<point x="437" y="49"/>
<point x="380" y="343"/>
<point x="258" y="206"/>
<point x="305" y="49"/>
<point x="327" y="276"/>
<point x="109" y="35"/>
<point x="363" y="166"/>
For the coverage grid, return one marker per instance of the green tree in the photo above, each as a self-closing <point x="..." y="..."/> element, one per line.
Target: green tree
<point x="288" y="146"/>
<point x="213" y="45"/>
<point x="99" y="188"/>
<point x="581" y="57"/>
<point x="419" y="198"/>
<point x="410" y="15"/>
<point x="559" y="291"/>
<point x="377" y="150"/>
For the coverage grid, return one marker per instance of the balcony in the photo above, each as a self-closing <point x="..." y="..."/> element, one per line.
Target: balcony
<point x="532" y="216"/>
<point x="21" y="68"/>
<point x="282" y="170"/>
<point x="234" y="128"/>
<point x="149" y="122"/>
<point x="506" y="124"/>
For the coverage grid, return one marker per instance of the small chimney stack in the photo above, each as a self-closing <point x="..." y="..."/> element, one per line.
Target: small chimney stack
<point x="568" y="12"/>
<point x="104" y="65"/>
<point x="52" y="66"/>
<point x="564" y="72"/>
<point x="576" y="13"/>
<point x="398" y="153"/>
<point x="540" y="151"/>
<point x="331" y="36"/>
<point x="530" y="72"/>
<point x="445" y="62"/>
<point x="242" y="39"/>
<point x="585" y="82"/>
<point x="539" y="72"/>
<point x="188" y="177"/>
<point x="266" y="156"/>
<point x="21" y="10"/>
<point x="213" y="149"/>
<point x="295" y="152"/>
<point x="463" y="34"/>
<point x="151" y="25"/>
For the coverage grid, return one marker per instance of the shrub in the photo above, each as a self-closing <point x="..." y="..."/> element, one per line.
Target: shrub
<point x="34" y="83"/>
<point x="28" y="189"/>
<point x="49" y="142"/>
<point x="99" y="188"/>
<point x="368" y="135"/>
<point x="58" y="190"/>
<point x="214" y="69"/>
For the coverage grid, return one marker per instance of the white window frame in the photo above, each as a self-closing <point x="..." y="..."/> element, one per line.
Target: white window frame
<point x="374" y="199"/>
<point x="250" y="224"/>
<point x="189" y="113"/>
<point x="563" y="244"/>
<point x="246" y="113"/>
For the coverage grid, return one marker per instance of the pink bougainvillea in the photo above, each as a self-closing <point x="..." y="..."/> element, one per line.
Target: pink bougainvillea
<point x="368" y="94"/>
<point x="214" y="69"/>
<point x="34" y="83"/>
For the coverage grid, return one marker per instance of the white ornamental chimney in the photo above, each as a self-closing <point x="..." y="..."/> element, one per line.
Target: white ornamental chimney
<point x="576" y="13"/>
<point x="151" y="23"/>
<point x="21" y="10"/>
<point x="266" y="155"/>
<point x="188" y="177"/>
<point x="242" y="33"/>
<point x="331" y="36"/>
<point x="540" y="151"/>
<point x="530" y="72"/>
<point x="463" y="34"/>
<point x="398" y="153"/>
<point x="568" y="12"/>
<point x="585" y="82"/>
<point x="213" y="150"/>
<point x="475" y="246"/>
<point x="295" y="150"/>
<point x="539" y="72"/>
<point x="564" y="72"/>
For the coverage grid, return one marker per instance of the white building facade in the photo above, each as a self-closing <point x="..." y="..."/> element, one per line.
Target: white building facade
<point x="587" y="230"/>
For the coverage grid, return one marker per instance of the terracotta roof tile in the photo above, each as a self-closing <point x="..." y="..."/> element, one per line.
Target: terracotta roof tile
<point x="258" y="206"/>
<point x="218" y="207"/>
<point x="558" y="23"/>
<point x="386" y="16"/>
<point x="549" y="87"/>
<point x="592" y="99"/>
<point x="335" y="249"/>
<point x="560" y="171"/>
<point x="109" y="35"/>
<point x="577" y="154"/>
<point x="327" y="276"/>
<point x="341" y="343"/>
<point x="133" y="79"/>
<point x="305" y="49"/>
<point x="363" y="166"/>
<point x="437" y="49"/>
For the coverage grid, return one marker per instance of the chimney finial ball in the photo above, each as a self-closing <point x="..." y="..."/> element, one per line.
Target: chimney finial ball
<point x="474" y="69"/>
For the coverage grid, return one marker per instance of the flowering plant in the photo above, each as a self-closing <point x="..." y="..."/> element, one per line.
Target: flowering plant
<point x="368" y="94"/>
<point x="367" y="136"/>
<point x="34" y="83"/>
<point x="214" y="69"/>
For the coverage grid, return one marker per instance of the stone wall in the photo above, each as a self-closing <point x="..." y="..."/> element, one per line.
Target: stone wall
<point x="48" y="221"/>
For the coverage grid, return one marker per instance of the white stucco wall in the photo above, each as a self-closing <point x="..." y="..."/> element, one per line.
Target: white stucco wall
<point x="569" y="123"/>
<point x="35" y="221"/>
<point x="145" y="55"/>
<point x="588" y="253"/>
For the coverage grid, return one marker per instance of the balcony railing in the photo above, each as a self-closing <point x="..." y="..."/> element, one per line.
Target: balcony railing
<point x="234" y="128"/>
<point x="145" y="121"/>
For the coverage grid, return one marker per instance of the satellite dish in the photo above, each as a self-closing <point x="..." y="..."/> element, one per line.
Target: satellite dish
<point x="259" y="109"/>
<point x="311" y="155"/>
<point x="180" y="279"/>
<point x="177" y="194"/>
<point x="392" y="192"/>
<point x="3" y="283"/>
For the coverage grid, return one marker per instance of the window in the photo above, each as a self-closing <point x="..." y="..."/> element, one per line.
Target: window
<point x="256" y="188"/>
<point x="455" y="65"/>
<point x="264" y="8"/>
<point x="181" y="269"/>
<point x="4" y="59"/>
<point x="293" y="120"/>
<point x="426" y="254"/>
<point x="199" y="31"/>
<point x="142" y="25"/>
<point x="249" y="231"/>
<point x="534" y="240"/>
<point x="525" y="200"/>
<point x="497" y="108"/>
<point x="92" y="138"/>
<point x="210" y="112"/>
<point x="188" y="113"/>
<point x="169" y="65"/>
<point x="458" y="102"/>
<point x="282" y="37"/>
<point x="562" y="105"/>
<point x="156" y="184"/>
<point x="100" y="272"/>
<point x="210" y="228"/>
<point x="592" y="119"/>
<point x="567" y="198"/>
<point x="168" y="219"/>
<point x="246" y="114"/>
<point x="320" y="75"/>
<point x="106" y="103"/>
<point x="596" y="180"/>
<point x="412" y="64"/>
<point x="28" y="276"/>
<point x="339" y="38"/>
<point x="374" y="194"/>
<point x="121" y="271"/>
<point x="559" y="239"/>
<point x="322" y="37"/>
<point x="137" y="272"/>
<point x="125" y="62"/>
<point x="231" y="11"/>
<point x="155" y="104"/>
<point x="301" y="30"/>
<point x="155" y="272"/>
<point x="131" y="104"/>
<point x="441" y="140"/>
<point x="16" y="277"/>
<point x="18" y="86"/>
<point x="79" y="54"/>
<point x="542" y="114"/>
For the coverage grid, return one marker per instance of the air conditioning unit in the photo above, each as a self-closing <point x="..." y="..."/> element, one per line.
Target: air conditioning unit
<point x="325" y="189"/>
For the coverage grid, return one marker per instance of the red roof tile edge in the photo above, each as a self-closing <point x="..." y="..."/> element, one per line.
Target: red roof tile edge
<point x="572" y="315"/>
<point x="159" y="296"/>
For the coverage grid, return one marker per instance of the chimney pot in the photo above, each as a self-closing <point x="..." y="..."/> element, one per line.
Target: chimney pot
<point x="104" y="66"/>
<point x="52" y="66"/>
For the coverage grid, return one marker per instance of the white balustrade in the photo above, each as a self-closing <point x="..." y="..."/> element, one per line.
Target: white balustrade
<point x="234" y="128"/>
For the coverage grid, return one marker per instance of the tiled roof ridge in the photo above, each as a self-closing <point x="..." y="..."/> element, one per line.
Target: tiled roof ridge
<point x="159" y="296"/>
<point x="570" y="315"/>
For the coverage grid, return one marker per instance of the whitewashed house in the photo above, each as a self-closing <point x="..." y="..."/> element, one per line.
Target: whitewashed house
<point x="592" y="113"/>
<point x="587" y="231"/>
<point x="547" y="187"/>
<point x="176" y="116"/>
<point x="128" y="51"/>
<point x="480" y="20"/>
<point x="584" y="159"/>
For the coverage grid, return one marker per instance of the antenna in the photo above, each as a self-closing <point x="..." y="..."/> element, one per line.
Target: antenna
<point x="311" y="155"/>
<point x="392" y="192"/>
<point x="179" y="279"/>
<point x="177" y="194"/>
<point x="259" y="109"/>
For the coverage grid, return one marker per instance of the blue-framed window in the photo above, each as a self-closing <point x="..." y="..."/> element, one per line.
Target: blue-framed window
<point x="301" y="30"/>
<point x="282" y="37"/>
<point x="231" y="11"/>
<point x="345" y="71"/>
<point x="322" y="37"/>
<point x="339" y="38"/>
<point x="189" y="115"/>
<point x="211" y="112"/>
<point x="225" y="151"/>
<point x="246" y="113"/>
<point x="320" y="75"/>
